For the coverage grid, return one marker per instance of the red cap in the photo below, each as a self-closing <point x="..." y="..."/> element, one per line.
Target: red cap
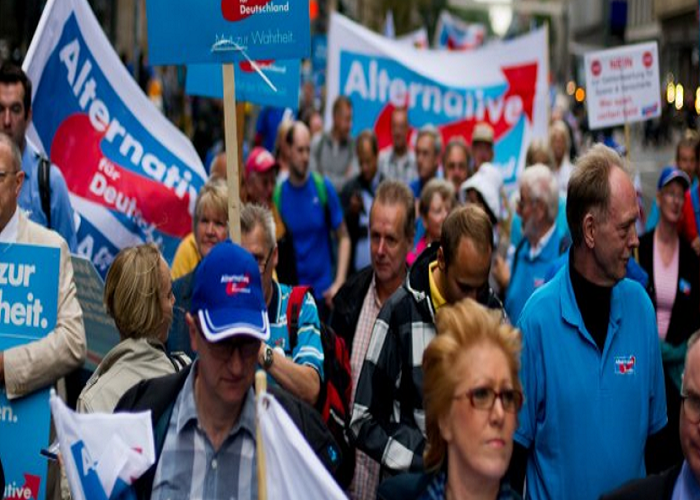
<point x="259" y="160"/>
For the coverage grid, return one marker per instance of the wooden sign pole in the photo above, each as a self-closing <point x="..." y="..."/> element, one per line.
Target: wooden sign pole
<point x="231" y="144"/>
<point x="260" y="389"/>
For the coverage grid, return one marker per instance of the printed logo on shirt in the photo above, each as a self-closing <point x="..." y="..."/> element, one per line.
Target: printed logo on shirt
<point x="684" y="287"/>
<point x="538" y="282"/>
<point x="625" y="365"/>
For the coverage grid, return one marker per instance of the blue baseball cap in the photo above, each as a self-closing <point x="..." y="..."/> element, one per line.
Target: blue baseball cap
<point x="669" y="174"/>
<point x="228" y="297"/>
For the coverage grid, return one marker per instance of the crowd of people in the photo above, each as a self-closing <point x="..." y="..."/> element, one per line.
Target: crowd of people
<point x="492" y="345"/>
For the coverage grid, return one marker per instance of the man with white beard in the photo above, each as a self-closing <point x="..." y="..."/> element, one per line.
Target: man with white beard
<point x="541" y="244"/>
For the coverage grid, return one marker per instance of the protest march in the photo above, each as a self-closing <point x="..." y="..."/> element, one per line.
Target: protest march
<point x="264" y="249"/>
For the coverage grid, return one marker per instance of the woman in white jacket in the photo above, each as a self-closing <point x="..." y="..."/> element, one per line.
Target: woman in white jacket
<point x="138" y="296"/>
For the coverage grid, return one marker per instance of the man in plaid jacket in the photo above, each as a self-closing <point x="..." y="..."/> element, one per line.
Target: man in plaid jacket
<point x="388" y="419"/>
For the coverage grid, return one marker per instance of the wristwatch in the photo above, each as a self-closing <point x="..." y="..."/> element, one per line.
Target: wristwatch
<point x="268" y="358"/>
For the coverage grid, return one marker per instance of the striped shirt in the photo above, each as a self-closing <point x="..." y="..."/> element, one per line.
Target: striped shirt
<point x="366" y="478"/>
<point x="666" y="284"/>
<point x="190" y="468"/>
<point x="308" y="350"/>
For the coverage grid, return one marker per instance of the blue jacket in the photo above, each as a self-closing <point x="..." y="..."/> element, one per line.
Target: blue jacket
<point x="30" y="199"/>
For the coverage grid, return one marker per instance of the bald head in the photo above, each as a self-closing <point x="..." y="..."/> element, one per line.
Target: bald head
<point x="11" y="178"/>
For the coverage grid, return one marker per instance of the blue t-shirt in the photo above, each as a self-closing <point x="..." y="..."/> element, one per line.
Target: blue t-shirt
<point x="305" y="217"/>
<point x="416" y="186"/>
<point x="30" y="199"/>
<point x="587" y="415"/>
<point x="528" y="274"/>
<point x="308" y="350"/>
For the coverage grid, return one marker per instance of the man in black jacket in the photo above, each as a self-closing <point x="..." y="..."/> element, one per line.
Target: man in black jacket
<point x="357" y="197"/>
<point x="388" y="420"/>
<point x="357" y="303"/>
<point x="204" y="418"/>
<point x="683" y="480"/>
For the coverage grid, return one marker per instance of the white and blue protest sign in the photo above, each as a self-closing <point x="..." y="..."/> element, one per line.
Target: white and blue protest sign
<point x="103" y="454"/>
<point x="132" y="176"/>
<point x="509" y="90"/>
<point x="206" y="80"/>
<point x="28" y="305"/>
<point x="221" y="31"/>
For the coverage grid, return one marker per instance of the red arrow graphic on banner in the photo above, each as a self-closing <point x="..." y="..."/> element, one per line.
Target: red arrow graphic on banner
<point x="76" y="150"/>
<point x="231" y="9"/>
<point x="247" y="67"/>
<point x="32" y="483"/>
<point x="521" y="81"/>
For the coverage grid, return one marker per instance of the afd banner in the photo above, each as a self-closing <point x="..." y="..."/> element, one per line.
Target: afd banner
<point x="219" y="31"/>
<point x="417" y="38"/>
<point x="504" y="85"/>
<point x="451" y="33"/>
<point x="206" y="80"/>
<point x="133" y="177"/>
<point x="103" y="454"/>
<point x="28" y="305"/>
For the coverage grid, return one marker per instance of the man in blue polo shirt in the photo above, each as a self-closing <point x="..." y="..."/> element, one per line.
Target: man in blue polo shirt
<point x="591" y="365"/>
<point x="542" y="243"/>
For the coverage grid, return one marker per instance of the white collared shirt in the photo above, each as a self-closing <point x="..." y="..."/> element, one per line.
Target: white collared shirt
<point x="11" y="229"/>
<point x="537" y="249"/>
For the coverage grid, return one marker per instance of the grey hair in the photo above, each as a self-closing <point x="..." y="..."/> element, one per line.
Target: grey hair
<point x="433" y="132"/>
<point x="253" y="215"/>
<point x="543" y="186"/>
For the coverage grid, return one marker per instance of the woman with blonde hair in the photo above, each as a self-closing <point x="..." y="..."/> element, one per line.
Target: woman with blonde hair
<point x="138" y="296"/>
<point x="472" y="397"/>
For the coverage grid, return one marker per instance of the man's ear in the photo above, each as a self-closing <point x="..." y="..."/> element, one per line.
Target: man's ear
<point x="275" y="257"/>
<point x="441" y="259"/>
<point x="589" y="230"/>
<point x="19" y="180"/>
<point x="194" y="332"/>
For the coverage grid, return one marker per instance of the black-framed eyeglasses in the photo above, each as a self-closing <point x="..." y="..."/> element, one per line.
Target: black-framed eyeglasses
<point x="691" y="407"/>
<point x="262" y="263"/>
<point x="247" y="347"/>
<point x="484" y="398"/>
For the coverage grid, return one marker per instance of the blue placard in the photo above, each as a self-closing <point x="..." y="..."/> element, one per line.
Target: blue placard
<point x="218" y="31"/>
<point x="206" y="80"/>
<point x="319" y="60"/>
<point x="28" y="302"/>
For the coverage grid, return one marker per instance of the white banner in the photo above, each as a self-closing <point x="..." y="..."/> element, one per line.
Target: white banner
<point x="292" y="469"/>
<point x="103" y="454"/>
<point x="504" y="84"/>
<point x="417" y="38"/>
<point x="622" y="85"/>
<point x="133" y="177"/>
